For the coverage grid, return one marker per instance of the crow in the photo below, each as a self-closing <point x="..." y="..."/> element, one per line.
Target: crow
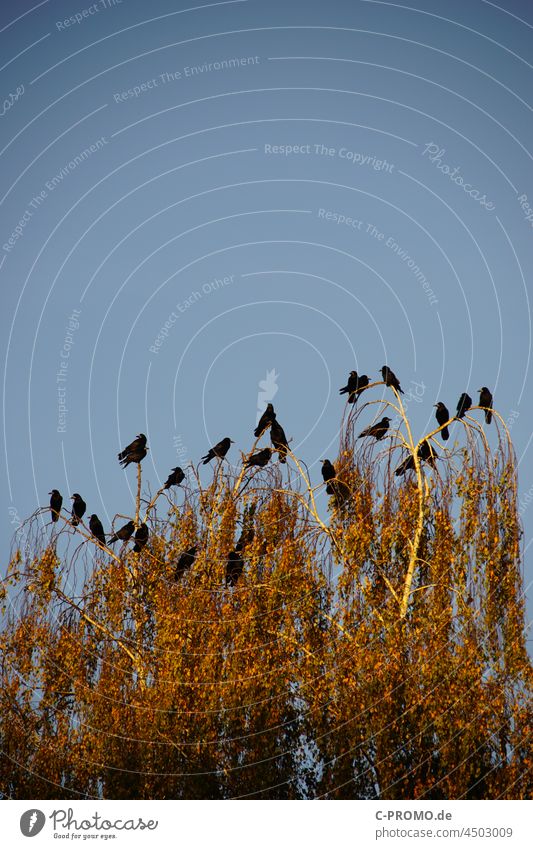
<point x="328" y="473"/>
<point x="55" y="504"/>
<point x="351" y="387"/>
<point x="185" y="561"/>
<point x="390" y="379"/>
<point x="134" y="452"/>
<point x="485" y="400"/>
<point x="279" y="440"/>
<point x="377" y="430"/>
<point x="426" y="452"/>
<point x="141" y="537"/>
<point x="78" y="508"/>
<point x="234" y="568"/>
<point x="96" y="528"/>
<point x="442" y="415"/>
<point x="355" y="386"/>
<point x="175" y="478"/>
<point x="219" y="450"/>
<point x="464" y="403"/>
<point x="265" y="421"/>
<point x="261" y="458"/>
<point x="123" y="533"/>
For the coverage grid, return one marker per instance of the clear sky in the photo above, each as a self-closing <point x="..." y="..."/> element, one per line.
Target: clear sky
<point x="210" y="205"/>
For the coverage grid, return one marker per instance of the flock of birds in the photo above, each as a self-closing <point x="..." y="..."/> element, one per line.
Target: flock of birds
<point x="136" y="451"/>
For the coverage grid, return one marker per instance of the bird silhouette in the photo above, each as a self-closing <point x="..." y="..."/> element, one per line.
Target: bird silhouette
<point x="123" y="533"/>
<point x="351" y="387"/>
<point x="260" y="458"/>
<point x="134" y="452"/>
<point x="279" y="440"/>
<point x="185" y="561"/>
<point x="355" y="385"/>
<point x="96" y="528"/>
<point x="55" y="504"/>
<point x="464" y="403"/>
<point x="78" y="508"/>
<point x="390" y="379"/>
<point x="485" y="400"/>
<point x="442" y="415"/>
<point x="265" y="421"/>
<point x="426" y="452"/>
<point x="377" y="430"/>
<point x="175" y="477"/>
<point x="328" y="473"/>
<point x="219" y="450"/>
<point x="141" y="537"/>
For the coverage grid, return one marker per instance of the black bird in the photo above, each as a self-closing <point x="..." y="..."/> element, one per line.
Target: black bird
<point x="362" y="383"/>
<point x="265" y="421"/>
<point x="377" y="430"/>
<point x="219" y="450"/>
<point x="141" y="537"/>
<point x="279" y="440"/>
<point x="134" y="452"/>
<point x="328" y="473"/>
<point x="390" y="379"/>
<point x="175" y="478"/>
<point x="485" y="400"/>
<point x="78" y="508"/>
<point x="442" y="415"/>
<point x="185" y="561"/>
<point x="234" y="568"/>
<point x="426" y="452"/>
<point x="464" y="403"/>
<point x="260" y="458"/>
<point x="123" y="533"/>
<point x="55" y="504"/>
<point x="351" y="387"/>
<point x="96" y="528"/>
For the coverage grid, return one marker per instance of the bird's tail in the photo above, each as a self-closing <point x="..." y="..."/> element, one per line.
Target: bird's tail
<point x="445" y="433"/>
<point x="488" y="416"/>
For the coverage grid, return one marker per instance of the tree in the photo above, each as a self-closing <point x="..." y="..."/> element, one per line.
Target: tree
<point x="375" y="648"/>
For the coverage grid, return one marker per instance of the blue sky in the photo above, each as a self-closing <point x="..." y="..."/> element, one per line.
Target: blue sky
<point x="198" y="195"/>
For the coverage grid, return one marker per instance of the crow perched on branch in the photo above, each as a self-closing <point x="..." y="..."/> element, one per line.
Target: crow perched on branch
<point x="175" y="477"/>
<point x="279" y="440"/>
<point x="377" y="430"/>
<point x="260" y="458"/>
<point x="485" y="400"/>
<point x="185" y="561"/>
<point x="141" y="537"/>
<point x="123" y="533"/>
<point x="78" y="508"/>
<point x="265" y="421"/>
<point x="134" y="452"/>
<point x="442" y="415"/>
<point x="55" y="504"/>
<point x="390" y="379"/>
<point x="464" y="403"/>
<point x="219" y="450"/>
<point x="426" y="452"/>
<point x="355" y="385"/>
<point x="328" y="473"/>
<point x="96" y="528"/>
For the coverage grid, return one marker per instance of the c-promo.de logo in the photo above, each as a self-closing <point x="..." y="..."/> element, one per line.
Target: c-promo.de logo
<point x="32" y="822"/>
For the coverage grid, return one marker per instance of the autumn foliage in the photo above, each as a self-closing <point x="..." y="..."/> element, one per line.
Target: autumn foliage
<point x="373" y="646"/>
